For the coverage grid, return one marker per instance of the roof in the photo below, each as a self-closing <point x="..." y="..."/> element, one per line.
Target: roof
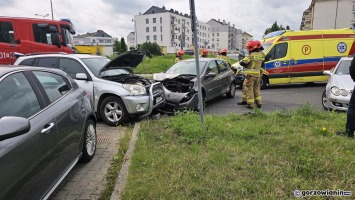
<point x="247" y="33"/>
<point x="98" y="33"/>
<point x="155" y="10"/>
<point x="64" y="55"/>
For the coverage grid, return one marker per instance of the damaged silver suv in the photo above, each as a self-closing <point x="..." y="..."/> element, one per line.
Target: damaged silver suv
<point x="116" y="93"/>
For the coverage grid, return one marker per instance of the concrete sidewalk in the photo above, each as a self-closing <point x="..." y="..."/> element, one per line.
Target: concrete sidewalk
<point x="87" y="180"/>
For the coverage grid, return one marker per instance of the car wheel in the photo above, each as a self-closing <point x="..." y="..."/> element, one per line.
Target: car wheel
<point x="113" y="111"/>
<point x="90" y="141"/>
<point x="232" y="90"/>
<point x="325" y="101"/>
<point x="263" y="82"/>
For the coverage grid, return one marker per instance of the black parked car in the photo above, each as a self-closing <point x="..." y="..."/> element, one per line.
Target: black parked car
<point x="47" y="124"/>
<point x="189" y="52"/>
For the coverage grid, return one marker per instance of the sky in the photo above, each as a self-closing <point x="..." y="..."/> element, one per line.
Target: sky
<point x="115" y="16"/>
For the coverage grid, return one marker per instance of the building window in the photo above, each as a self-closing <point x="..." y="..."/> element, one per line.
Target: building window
<point x="217" y="44"/>
<point x="154" y="20"/>
<point x="161" y="20"/>
<point x="148" y="38"/>
<point x="147" y="29"/>
<point x="147" y="21"/>
<point x="154" y="29"/>
<point x="212" y="39"/>
<point x="217" y="34"/>
<point x="161" y="28"/>
<point x="217" y="39"/>
<point x="161" y="37"/>
<point x="154" y="37"/>
<point x="212" y="34"/>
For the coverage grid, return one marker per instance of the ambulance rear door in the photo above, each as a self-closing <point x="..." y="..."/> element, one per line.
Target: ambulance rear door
<point x="306" y="64"/>
<point x="337" y="44"/>
<point x="277" y="63"/>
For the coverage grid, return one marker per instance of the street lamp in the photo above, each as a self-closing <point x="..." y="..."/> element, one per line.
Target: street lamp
<point x="52" y="10"/>
<point x="44" y="16"/>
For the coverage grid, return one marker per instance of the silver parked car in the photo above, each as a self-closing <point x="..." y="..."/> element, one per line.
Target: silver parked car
<point x="47" y="124"/>
<point x="339" y="86"/>
<point x="180" y="82"/>
<point x="117" y="93"/>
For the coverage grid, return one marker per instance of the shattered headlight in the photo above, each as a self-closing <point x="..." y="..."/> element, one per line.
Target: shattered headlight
<point x="135" y="89"/>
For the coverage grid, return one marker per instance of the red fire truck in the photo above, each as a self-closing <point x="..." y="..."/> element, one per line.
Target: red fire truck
<point x="30" y="35"/>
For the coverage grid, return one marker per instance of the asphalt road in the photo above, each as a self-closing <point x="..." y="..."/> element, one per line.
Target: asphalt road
<point x="280" y="97"/>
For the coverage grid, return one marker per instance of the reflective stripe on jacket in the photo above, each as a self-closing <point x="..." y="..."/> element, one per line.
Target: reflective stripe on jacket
<point x="253" y="63"/>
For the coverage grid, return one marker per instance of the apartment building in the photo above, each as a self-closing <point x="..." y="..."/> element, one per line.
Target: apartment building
<point x="99" y="37"/>
<point x="172" y="31"/>
<point x="328" y="14"/>
<point x="246" y="37"/>
<point x="225" y="36"/>
<point x="131" y="40"/>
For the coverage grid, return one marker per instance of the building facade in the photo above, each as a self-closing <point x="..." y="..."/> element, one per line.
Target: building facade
<point x="98" y="42"/>
<point x="246" y="37"/>
<point x="172" y="31"/>
<point x="329" y="14"/>
<point x="131" y="40"/>
<point x="225" y="36"/>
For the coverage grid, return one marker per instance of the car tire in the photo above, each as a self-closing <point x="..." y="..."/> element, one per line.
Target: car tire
<point x="90" y="141"/>
<point x="113" y="111"/>
<point x="263" y="82"/>
<point x="232" y="90"/>
<point x="324" y="101"/>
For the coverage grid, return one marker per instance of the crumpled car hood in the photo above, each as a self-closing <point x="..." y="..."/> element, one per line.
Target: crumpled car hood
<point x="177" y="86"/>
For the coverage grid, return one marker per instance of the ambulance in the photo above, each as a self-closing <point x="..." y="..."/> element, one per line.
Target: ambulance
<point x="30" y="35"/>
<point x="302" y="56"/>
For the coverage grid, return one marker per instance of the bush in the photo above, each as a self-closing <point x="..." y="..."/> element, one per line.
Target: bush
<point x="152" y="48"/>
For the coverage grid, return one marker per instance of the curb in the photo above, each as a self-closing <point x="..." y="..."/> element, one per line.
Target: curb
<point x="122" y="176"/>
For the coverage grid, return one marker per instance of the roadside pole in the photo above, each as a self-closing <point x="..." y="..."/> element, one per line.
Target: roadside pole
<point x="194" y="30"/>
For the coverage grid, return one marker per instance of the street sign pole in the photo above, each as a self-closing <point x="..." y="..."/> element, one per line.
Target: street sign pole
<point x="194" y="30"/>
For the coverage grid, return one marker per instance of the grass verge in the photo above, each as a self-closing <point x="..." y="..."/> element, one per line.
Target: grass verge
<point x="251" y="156"/>
<point x="116" y="165"/>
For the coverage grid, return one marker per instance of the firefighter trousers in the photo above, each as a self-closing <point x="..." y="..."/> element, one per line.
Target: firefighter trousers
<point x="251" y="91"/>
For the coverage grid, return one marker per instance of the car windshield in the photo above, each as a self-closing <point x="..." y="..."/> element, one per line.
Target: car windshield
<point x="96" y="64"/>
<point x="186" y="67"/>
<point x="266" y="46"/>
<point x="343" y="67"/>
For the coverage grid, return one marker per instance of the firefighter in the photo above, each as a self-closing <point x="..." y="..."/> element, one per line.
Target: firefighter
<point x="261" y="49"/>
<point x="179" y="56"/>
<point x="223" y="55"/>
<point x="204" y="53"/>
<point x="251" y="70"/>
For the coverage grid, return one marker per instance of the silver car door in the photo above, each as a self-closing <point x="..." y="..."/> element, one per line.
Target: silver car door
<point x="211" y="84"/>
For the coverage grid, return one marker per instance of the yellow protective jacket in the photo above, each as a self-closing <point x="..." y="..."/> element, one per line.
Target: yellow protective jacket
<point x="225" y="58"/>
<point x="252" y="64"/>
<point x="178" y="59"/>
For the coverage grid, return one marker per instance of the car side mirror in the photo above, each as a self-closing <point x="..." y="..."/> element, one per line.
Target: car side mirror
<point x="327" y="72"/>
<point x="81" y="76"/>
<point x="211" y="75"/>
<point x="13" y="126"/>
<point x="55" y="39"/>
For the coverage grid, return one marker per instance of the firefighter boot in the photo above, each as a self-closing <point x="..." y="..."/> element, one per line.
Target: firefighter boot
<point x="249" y="106"/>
<point x="242" y="103"/>
<point x="258" y="104"/>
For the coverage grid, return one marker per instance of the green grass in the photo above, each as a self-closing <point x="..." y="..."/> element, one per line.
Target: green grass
<point x="159" y="64"/>
<point x="116" y="165"/>
<point x="251" y="156"/>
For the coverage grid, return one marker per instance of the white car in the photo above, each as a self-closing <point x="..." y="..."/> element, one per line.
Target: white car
<point x="339" y="87"/>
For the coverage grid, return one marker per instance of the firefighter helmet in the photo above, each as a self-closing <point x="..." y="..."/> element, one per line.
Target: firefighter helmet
<point x="205" y="51"/>
<point x="223" y="51"/>
<point x="181" y="52"/>
<point x="251" y="45"/>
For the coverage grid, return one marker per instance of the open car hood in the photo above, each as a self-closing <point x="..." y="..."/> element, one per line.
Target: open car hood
<point x="164" y="76"/>
<point x="127" y="60"/>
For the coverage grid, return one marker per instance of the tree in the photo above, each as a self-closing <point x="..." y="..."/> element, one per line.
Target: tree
<point x="117" y="47"/>
<point x="123" y="45"/>
<point x="152" y="48"/>
<point x="275" y="27"/>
